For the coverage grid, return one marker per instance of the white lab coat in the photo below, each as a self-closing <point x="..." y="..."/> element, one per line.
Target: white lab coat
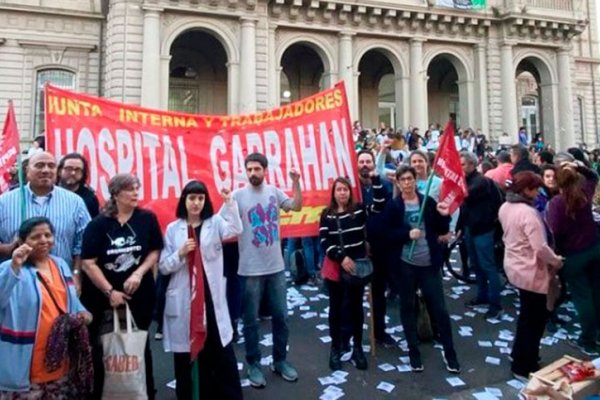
<point x="176" y="328"/>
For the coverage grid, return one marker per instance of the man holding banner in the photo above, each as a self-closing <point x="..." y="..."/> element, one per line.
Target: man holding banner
<point x="261" y="264"/>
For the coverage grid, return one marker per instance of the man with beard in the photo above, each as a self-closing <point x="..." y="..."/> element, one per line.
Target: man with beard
<point x="370" y="181"/>
<point x="261" y="265"/>
<point x="477" y="221"/>
<point x="72" y="175"/>
<point x="43" y="198"/>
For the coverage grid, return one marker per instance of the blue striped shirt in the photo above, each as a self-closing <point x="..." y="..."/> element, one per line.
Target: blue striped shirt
<point x="63" y="208"/>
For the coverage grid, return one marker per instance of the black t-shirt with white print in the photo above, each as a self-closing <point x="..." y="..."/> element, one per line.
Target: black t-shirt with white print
<point x="119" y="250"/>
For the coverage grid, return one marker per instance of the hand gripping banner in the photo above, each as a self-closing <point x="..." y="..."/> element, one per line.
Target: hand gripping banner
<point x="167" y="149"/>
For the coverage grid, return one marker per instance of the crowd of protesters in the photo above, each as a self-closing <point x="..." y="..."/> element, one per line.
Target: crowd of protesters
<point x="68" y="263"/>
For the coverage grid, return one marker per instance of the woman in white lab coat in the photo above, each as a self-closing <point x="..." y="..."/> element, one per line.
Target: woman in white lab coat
<point x="218" y="374"/>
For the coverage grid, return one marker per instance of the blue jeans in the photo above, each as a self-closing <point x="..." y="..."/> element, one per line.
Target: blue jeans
<point x="273" y="287"/>
<point x="312" y="254"/>
<point x="311" y="248"/>
<point x="481" y="256"/>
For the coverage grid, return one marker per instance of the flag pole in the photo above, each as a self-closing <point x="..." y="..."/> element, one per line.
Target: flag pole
<point x="21" y="175"/>
<point x="195" y="380"/>
<point x="422" y="211"/>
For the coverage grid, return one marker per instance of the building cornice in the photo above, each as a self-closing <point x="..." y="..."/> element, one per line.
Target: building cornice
<point x="431" y="20"/>
<point x="56" y="44"/>
<point x="52" y="12"/>
<point x="589" y="60"/>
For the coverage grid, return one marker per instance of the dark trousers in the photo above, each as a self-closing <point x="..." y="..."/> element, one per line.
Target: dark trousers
<point x="218" y="376"/>
<point x="346" y="315"/>
<point x="378" y="287"/>
<point x="234" y="286"/>
<point x="582" y="273"/>
<point x="162" y="282"/>
<point x="530" y="329"/>
<point x="429" y="279"/>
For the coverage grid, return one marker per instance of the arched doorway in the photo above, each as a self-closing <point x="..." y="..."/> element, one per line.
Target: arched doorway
<point x="535" y="99"/>
<point x="376" y="90"/>
<point x="198" y="74"/>
<point x="302" y="73"/>
<point x="443" y="94"/>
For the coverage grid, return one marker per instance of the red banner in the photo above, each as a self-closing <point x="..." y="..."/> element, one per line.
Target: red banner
<point x="9" y="147"/>
<point x="165" y="149"/>
<point x="447" y="164"/>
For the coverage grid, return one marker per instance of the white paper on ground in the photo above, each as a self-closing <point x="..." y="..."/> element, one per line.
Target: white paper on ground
<point x="494" y="391"/>
<point x="386" y="367"/>
<point x="245" y="382"/>
<point x="484" y="396"/>
<point x="385" y="386"/>
<point x="455" y="381"/>
<point x="325" y="339"/>
<point x="492" y="360"/>
<point x="517" y="384"/>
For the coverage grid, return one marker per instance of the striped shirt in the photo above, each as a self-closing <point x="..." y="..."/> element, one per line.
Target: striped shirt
<point x="350" y="231"/>
<point x="63" y="208"/>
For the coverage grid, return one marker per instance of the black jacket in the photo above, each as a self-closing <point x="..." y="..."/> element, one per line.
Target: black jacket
<point x="397" y="231"/>
<point x="479" y="211"/>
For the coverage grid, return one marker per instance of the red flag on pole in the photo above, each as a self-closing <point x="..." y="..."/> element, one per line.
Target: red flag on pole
<point x="197" y="312"/>
<point x="447" y="164"/>
<point x="9" y="147"/>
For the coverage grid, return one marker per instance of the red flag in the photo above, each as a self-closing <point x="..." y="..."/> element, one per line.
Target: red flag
<point x="9" y="147"/>
<point x="197" y="311"/>
<point x="447" y="164"/>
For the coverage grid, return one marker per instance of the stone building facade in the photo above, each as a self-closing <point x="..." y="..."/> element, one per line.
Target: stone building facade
<point x="404" y="62"/>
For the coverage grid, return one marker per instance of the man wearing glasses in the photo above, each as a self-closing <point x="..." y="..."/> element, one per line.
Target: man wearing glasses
<point x="72" y="175"/>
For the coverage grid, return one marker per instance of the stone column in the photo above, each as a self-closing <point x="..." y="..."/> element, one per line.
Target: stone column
<point x="510" y="123"/>
<point x="566" y="134"/>
<point x="481" y="90"/>
<point x="345" y="71"/>
<point x="165" y="62"/>
<point x="151" y="58"/>
<point x="418" y="90"/>
<point x="247" y="82"/>
<point x="273" y="73"/>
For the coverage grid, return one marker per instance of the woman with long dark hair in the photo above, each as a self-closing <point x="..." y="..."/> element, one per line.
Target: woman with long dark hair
<point x="120" y="247"/>
<point x="530" y="266"/>
<point x="570" y="218"/>
<point x="344" y="241"/>
<point x="217" y="373"/>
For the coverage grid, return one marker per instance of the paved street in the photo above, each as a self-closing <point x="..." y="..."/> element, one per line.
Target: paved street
<point x="482" y="349"/>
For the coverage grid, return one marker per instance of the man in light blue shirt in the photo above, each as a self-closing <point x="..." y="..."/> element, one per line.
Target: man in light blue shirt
<point x="43" y="198"/>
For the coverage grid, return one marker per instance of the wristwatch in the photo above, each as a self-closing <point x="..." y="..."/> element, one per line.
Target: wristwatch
<point x="108" y="292"/>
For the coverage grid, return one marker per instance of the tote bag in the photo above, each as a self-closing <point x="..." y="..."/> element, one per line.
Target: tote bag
<point x="124" y="364"/>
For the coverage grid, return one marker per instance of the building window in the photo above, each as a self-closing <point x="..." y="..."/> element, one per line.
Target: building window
<point x="58" y="77"/>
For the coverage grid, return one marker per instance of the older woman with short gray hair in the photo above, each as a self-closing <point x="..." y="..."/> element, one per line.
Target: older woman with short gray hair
<point x="120" y="247"/>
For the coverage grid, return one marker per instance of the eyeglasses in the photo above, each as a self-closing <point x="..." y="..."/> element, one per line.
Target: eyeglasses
<point x="72" y="170"/>
<point x="407" y="179"/>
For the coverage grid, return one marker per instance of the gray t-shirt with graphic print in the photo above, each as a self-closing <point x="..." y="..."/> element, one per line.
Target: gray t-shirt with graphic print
<point x="420" y="255"/>
<point x="260" y="241"/>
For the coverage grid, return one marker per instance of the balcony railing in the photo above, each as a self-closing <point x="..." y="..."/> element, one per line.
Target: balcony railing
<point x="546" y="8"/>
<point x="563" y="5"/>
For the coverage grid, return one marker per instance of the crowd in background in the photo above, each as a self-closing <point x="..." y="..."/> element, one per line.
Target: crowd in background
<point x="68" y="263"/>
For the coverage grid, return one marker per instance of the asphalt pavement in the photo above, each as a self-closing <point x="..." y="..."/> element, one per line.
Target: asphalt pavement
<point x="482" y="346"/>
